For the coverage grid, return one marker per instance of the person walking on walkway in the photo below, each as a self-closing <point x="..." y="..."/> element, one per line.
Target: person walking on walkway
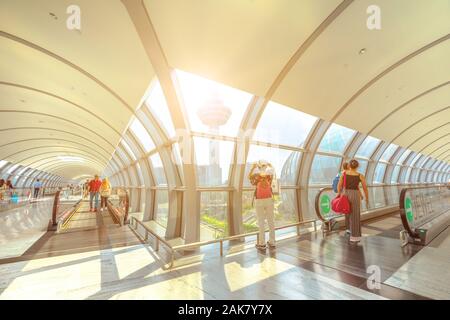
<point x="105" y="192"/>
<point x="37" y="187"/>
<point x="351" y="190"/>
<point x="2" y="189"/>
<point x="94" y="189"/>
<point x="261" y="175"/>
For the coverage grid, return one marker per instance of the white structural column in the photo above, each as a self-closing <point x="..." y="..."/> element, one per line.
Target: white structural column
<point x="190" y="227"/>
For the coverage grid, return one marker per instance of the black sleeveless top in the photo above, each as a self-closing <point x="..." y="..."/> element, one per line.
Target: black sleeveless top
<point x="353" y="182"/>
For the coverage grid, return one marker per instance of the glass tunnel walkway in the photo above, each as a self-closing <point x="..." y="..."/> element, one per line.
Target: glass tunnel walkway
<point x="176" y="103"/>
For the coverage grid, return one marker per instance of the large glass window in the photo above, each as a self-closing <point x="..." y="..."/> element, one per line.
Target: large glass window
<point x="282" y="125"/>
<point x="429" y="163"/>
<point x="123" y="156"/>
<point x="158" y="170"/>
<point x="362" y="166"/>
<point x="157" y="104"/>
<point x="139" y="172"/>
<point x="285" y="209"/>
<point x="132" y="174"/>
<point x="128" y="149"/>
<point x="367" y="147"/>
<point x="212" y="107"/>
<point x="413" y="159"/>
<point x="284" y="161"/>
<point x="162" y="207"/>
<point x="403" y="156"/>
<point x="395" y="172"/>
<point x="213" y="159"/>
<point x="3" y="163"/>
<point x="336" y="139"/>
<point x="379" y="172"/>
<point x="142" y="135"/>
<point x="176" y="158"/>
<point x="213" y="215"/>
<point x="324" y="169"/>
<point x="420" y="162"/>
<point x="408" y="175"/>
<point x="387" y="154"/>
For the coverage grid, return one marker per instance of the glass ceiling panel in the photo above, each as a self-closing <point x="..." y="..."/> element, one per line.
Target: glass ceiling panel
<point x="212" y="107"/>
<point x="368" y="147"/>
<point x="336" y="138"/>
<point x="387" y="154"/>
<point x="157" y="104"/>
<point x="141" y="133"/>
<point x="282" y="125"/>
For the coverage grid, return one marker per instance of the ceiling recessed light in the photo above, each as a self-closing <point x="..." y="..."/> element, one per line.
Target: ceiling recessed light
<point x="362" y="51"/>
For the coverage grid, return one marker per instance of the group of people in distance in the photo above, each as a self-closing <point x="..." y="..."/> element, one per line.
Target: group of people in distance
<point x="6" y="188"/>
<point x="97" y="188"/>
<point x="261" y="176"/>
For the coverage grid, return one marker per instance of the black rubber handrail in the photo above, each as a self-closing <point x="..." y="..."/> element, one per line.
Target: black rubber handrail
<point x="412" y="233"/>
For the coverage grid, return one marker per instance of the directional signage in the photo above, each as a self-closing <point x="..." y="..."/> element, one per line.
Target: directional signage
<point x="325" y="204"/>
<point x="409" y="209"/>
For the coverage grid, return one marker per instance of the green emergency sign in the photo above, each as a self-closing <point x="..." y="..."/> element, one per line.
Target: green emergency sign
<point x="409" y="210"/>
<point x="325" y="204"/>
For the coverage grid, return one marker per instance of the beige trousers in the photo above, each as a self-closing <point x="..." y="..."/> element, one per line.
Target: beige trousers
<point x="264" y="211"/>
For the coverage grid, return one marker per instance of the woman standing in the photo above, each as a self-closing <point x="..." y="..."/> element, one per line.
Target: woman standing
<point x="261" y="175"/>
<point x="105" y="192"/>
<point x="351" y="190"/>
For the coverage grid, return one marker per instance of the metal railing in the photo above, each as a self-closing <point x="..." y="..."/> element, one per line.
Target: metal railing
<point x="387" y="201"/>
<point x="173" y="249"/>
<point x="60" y="219"/>
<point x="119" y="205"/>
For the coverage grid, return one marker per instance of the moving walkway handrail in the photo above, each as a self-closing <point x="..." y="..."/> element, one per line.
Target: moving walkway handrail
<point x="172" y="249"/>
<point x="412" y="233"/>
<point x="65" y="215"/>
<point x="121" y="211"/>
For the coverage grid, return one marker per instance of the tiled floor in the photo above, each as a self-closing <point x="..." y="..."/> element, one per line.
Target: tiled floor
<point x="428" y="272"/>
<point x="135" y="273"/>
<point x="109" y="263"/>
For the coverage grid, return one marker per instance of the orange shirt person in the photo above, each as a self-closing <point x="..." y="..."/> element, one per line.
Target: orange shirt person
<point x="94" y="192"/>
<point x="261" y="175"/>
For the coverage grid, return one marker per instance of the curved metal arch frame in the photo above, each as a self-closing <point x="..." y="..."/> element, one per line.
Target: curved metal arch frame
<point x="50" y="164"/>
<point x="58" y="146"/>
<point x="57" y="130"/>
<point x="43" y="114"/>
<point x="88" y="156"/>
